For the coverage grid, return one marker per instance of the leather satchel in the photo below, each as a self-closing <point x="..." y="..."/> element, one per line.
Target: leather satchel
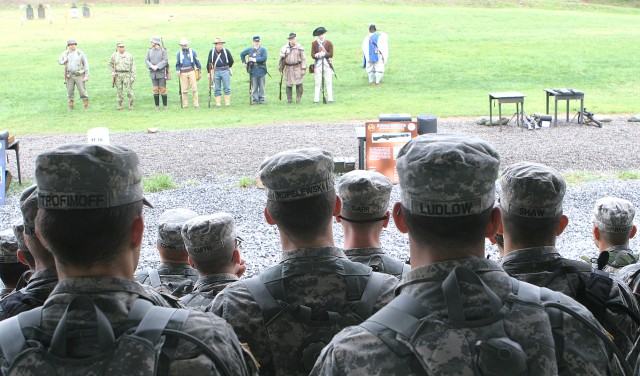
<point x="312" y="68"/>
<point x="198" y="74"/>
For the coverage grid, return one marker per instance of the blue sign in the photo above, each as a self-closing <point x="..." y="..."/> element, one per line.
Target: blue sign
<point x="3" y="161"/>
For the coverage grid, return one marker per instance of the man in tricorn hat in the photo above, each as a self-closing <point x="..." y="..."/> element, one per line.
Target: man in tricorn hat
<point x="293" y="63"/>
<point x="123" y="71"/>
<point x="322" y="52"/>
<point x="76" y="72"/>
<point x="157" y="61"/>
<point x="219" y="65"/>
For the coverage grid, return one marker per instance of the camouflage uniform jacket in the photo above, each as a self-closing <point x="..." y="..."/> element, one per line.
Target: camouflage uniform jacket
<point x="534" y="265"/>
<point x="619" y="257"/>
<point x="5" y="291"/>
<point x="205" y="289"/>
<point x="123" y="64"/>
<point x="378" y="260"/>
<point x="312" y="276"/>
<point x="33" y="295"/>
<point x="629" y="275"/>
<point x="171" y="276"/>
<point x="115" y="297"/>
<point x="357" y="351"/>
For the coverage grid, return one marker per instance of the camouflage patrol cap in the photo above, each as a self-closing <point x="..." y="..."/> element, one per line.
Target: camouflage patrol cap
<point x="18" y="232"/>
<point x="29" y="209"/>
<point x="170" y="227"/>
<point x="366" y="192"/>
<point x="447" y="175"/>
<point x="207" y="235"/>
<point x="532" y="190"/>
<point x="613" y="214"/>
<point x="8" y="247"/>
<point x="88" y="176"/>
<point x="297" y="174"/>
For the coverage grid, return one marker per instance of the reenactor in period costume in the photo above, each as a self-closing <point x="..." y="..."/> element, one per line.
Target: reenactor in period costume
<point x="219" y="66"/>
<point x="612" y="228"/>
<point x="76" y="72"/>
<point x="254" y="59"/>
<point x="123" y="71"/>
<point x="323" y="290"/>
<point x="375" y="48"/>
<point x="365" y="200"/>
<point x="212" y="244"/>
<point x="174" y="269"/>
<point x="157" y="61"/>
<point x="457" y="312"/>
<point x="293" y="63"/>
<point x="188" y="67"/>
<point x="322" y="52"/>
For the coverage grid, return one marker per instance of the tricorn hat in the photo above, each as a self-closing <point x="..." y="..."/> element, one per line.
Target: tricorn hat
<point x="319" y="31"/>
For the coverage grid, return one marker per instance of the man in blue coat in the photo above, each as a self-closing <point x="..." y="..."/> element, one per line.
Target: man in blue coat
<point x="255" y="60"/>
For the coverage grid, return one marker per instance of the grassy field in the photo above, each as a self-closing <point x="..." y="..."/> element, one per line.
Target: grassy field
<point x="445" y="58"/>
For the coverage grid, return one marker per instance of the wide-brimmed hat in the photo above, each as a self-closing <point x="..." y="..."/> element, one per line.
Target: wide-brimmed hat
<point x="218" y="40"/>
<point x="184" y="42"/>
<point x="155" y="40"/>
<point x="319" y="31"/>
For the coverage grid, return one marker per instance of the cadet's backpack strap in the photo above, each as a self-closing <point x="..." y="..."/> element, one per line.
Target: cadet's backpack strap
<point x="12" y="339"/>
<point x="106" y="337"/>
<point x="154" y="278"/>
<point x="263" y="297"/>
<point x="370" y="295"/>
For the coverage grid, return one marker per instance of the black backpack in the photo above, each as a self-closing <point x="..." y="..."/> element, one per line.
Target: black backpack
<point x="313" y="330"/>
<point x="152" y="340"/>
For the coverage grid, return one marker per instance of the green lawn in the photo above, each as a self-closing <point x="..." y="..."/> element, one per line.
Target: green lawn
<point x="444" y="60"/>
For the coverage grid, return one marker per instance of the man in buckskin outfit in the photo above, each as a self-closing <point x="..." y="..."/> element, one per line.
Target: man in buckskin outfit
<point x="293" y="64"/>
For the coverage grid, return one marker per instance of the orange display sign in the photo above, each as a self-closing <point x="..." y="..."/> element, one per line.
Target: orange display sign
<point x="384" y="140"/>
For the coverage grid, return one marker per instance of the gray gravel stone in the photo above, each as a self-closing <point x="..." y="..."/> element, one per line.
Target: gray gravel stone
<point x="209" y="163"/>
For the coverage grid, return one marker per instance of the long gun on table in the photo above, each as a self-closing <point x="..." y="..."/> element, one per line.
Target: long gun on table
<point x="389" y="136"/>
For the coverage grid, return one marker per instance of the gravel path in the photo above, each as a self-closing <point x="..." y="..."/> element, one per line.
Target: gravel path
<point x="209" y="163"/>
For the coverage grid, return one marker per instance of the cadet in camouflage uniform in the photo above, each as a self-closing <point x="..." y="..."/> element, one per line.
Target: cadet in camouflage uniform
<point x="365" y="199"/>
<point x="212" y="244"/>
<point x="314" y="279"/>
<point x="95" y="190"/>
<point x="45" y="277"/>
<point x="447" y="195"/>
<point x="174" y="269"/>
<point x="532" y="218"/>
<point x="157" y="61"/>
<point x="293" y="63"/>
<point x="123" y="70"/>
<point x="11" y="269"/>
<point x="76" y="72"/>
<point x="612" y="228"/>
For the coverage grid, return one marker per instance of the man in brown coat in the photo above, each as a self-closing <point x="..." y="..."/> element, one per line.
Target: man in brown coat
<point x="293" y="62"/>
<point x="322" y="52"/>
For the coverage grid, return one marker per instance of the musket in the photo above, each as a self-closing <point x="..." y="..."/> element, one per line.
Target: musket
<point x="210" y="83"/>
<point x="331" y="66"/>
<point x="280" y="94"/>
<point x="324" y="99"/>
<point x="166" y="67"/>
<point x="113" y="63"/>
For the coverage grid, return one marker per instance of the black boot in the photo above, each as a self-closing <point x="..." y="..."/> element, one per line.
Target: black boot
<point x="164" y="100"/>
<point x="289" y="94"/>
<point x="299" y="91"/>
<point x="156" y="99"/>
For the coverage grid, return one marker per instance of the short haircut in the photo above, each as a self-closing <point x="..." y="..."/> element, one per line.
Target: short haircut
<point x="215" y="265"/>
<point x="528" y="230"/>
<point x="304" y="218"/>
<point x="87" y="237"/>
<point x="616" y="238"/>
<point x="10" y="273"/>
<point x="445" y="232"/>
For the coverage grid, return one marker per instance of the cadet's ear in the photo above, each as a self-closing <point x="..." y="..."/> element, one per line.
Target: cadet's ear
<point x="398" y="218"/>
<point x="22" y="259"/>
<point x="190" y="261"/>
<point x="564" y="221"/>
<point x="495" y="221"/>
<point x="633" y="232"/>
<point x="338" y="208"/>
<point x="596" y="233"/>
<point x="385" y="223"/>
<point x="136" y="231"/>
<point x="235" y="257"/>
<point x="268" y="218"/>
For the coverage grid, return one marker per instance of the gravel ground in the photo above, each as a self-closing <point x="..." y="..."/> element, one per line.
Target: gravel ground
<point x="209" y="163"/>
